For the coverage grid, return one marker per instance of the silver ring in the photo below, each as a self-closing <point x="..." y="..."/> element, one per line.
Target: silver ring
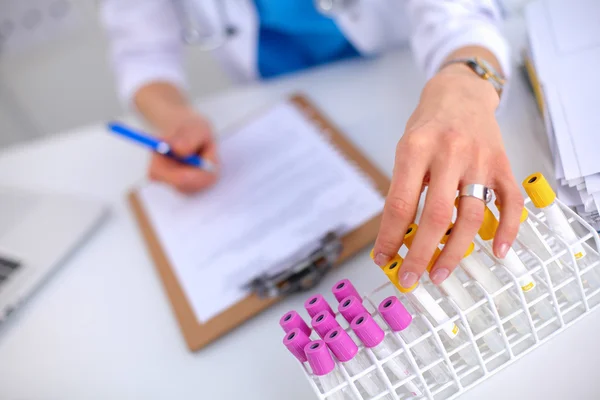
<point x="478" y="191"/>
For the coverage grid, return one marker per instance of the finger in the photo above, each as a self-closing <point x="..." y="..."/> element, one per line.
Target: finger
<point x="190" y="139"/>
<point x="512" y="203"/>
<point x="184" y="178"/>
<point x="470" y="217"/>
<point x="401" y="202"/>
<point x="437" y="215"/>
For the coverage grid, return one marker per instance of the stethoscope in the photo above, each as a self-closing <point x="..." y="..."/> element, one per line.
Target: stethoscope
<point x="192" y="34"/>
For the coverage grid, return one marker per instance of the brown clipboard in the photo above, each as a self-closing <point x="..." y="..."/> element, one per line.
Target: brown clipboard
<point x="197" y="335"/>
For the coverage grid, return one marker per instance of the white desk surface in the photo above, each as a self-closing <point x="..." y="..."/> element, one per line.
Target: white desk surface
<point x="102" y="327"/>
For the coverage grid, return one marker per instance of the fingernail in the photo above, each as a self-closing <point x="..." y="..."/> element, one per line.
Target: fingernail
<point x="381" y="259"/>
<point x="503" y="250"/>
<point x="439" y="275"/>
<point x="408" y="279"/>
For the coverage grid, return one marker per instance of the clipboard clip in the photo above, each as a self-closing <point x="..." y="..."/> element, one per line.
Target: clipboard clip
<point x="303" y="275"/>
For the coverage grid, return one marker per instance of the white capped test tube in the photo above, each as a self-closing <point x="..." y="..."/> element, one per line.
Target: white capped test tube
<point x="557" y="270"/>
<point x="373" y="337"/>
<point x="515" y="265"/>
<point x="399" y="320"/>
<point x="453" y="287"/>
<point x="325" y="370"/>
<point x="346" y="351"/>
<point x="422" y="300"/>
<point x="544" y="198"/>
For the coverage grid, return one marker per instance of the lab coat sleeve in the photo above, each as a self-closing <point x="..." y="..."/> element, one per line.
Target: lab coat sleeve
<point x="440" y="27"/>
<point x="145" y="44"/>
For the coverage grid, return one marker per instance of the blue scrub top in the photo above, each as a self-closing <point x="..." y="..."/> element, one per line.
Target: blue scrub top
<point x="293" y="36"/>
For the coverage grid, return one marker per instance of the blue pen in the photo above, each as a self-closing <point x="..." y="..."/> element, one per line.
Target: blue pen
<point x="159" y="146"/>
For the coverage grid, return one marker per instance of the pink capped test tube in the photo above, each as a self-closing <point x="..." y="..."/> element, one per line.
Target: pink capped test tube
<point x="343" y="289"/>
<point x="323" y="322"/>
<point x="350" y="307"/>
<point x="316" y="304"/>
<point x="291" y="320"/>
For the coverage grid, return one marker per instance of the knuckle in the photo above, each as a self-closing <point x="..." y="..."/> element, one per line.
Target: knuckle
<point x="439" y="213"/>
<point x="472" y="216"/>
<point x="419" y="261"/>
<point x="387" y="245"/>
<point x="400" y="207"/>
<point x="413" y="142"/>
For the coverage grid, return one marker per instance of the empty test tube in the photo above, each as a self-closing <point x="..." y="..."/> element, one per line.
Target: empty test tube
<point x="544" y="198"/>
<point x="505" y="303"/>
<point x="423" y="300"/>
<point x="346" y="351"/>
<point x="373" y="337"/>
<point x="453" y="287"/>
<point x="399" y="320"/>
<point x="513" y="263"/>
<point x="557" y="270"/>
<point x="325" y="369"/>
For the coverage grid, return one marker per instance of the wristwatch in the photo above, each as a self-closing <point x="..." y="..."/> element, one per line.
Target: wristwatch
<point x="483" y="69"/>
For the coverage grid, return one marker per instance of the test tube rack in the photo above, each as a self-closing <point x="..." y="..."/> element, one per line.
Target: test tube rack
<point x="463" y="377"/>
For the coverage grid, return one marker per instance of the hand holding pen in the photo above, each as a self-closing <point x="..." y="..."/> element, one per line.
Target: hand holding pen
<point x="184" y="158"/>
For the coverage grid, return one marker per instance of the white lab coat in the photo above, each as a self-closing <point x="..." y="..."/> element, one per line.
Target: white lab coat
<point x="146" y="35"/>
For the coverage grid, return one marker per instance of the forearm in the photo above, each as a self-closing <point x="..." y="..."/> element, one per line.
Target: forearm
<point x="159" y="102"/>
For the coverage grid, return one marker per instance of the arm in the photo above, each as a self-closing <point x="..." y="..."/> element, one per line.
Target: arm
<point x="451" y="140"/>
<point x="146" y="55"/>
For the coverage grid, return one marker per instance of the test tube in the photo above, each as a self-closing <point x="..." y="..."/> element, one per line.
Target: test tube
<point x="291" y="320"/>
<point x="505" y="304"/>
<point x="295" y="341"/>
<point x="343" y="289"/>
<point x="373" y="337"/>
<point x="325" y="370"/>
<point x="513" y="263"/>
<point x="315" y="304"/>
<point x="422" y="299"/>
<point x="544" y="198"/>
<point x="399" y="320"/>
<point x="346" y="351"/>
<point x="350" y="307"/>
<point x="323" y="322"/>
<point x="453" y="287"/>
<point x="557" y="270"/>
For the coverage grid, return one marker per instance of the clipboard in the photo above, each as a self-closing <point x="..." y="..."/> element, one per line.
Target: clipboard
<point x="198" y="335"/>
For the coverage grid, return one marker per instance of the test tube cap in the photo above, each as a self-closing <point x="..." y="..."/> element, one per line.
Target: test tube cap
<point x="391" y="271"/>
<point x="487" y="231"/>
<point x="350" y="307"/>
<point x="291" y="320"/>
<point x="319" y="357"/>
<point x="323" y="322"/>
<point x="395" y="314"/>
<point x="367" y="330"/>
<point x="343" y="289"/>
<point x="539" y="190"/>
<point x="316" y="304"/>
<point x="295" y="341"/>
<point x="341" y="344"/>
<point x="524" y="212"/>
<point x="447" y="236"/>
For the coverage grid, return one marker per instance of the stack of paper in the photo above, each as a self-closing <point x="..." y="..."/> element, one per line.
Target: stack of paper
<point x="564" y="39"/>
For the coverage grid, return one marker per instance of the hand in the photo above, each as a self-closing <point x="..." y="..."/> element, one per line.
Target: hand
<point x="451" y="140"/>
<point x="187" y="133"/>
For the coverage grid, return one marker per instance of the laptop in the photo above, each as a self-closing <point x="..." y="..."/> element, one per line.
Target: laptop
<point x="37" y="232"/>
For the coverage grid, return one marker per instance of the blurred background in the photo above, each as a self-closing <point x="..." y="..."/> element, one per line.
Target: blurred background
<point x="54" y="71"/>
